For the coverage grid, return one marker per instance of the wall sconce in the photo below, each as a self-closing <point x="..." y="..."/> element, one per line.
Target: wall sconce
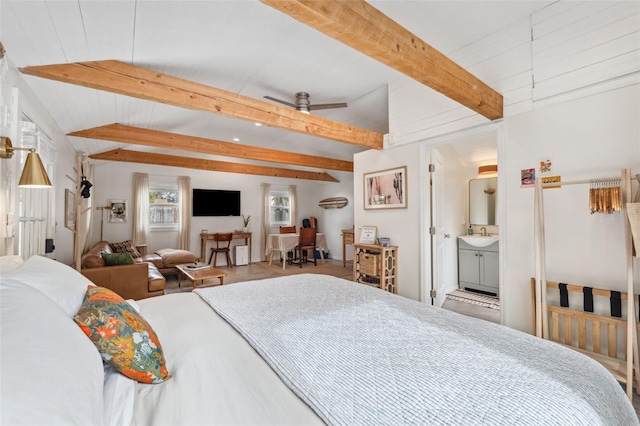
<point x="102" y="218"/>
<point x="33" y="174"/>
<point x="485" y="170"/>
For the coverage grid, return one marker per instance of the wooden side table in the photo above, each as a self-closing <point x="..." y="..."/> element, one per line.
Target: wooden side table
<point x="347" y="238"/>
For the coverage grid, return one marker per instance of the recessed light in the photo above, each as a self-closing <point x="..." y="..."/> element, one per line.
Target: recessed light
<point x="258" y="124"/>
<point x="236" y="139"/>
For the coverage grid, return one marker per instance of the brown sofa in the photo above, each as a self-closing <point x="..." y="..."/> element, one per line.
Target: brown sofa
<point x="137" y="281"/>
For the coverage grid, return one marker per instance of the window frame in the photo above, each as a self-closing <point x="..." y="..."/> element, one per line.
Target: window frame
<point x="158" y="187"/>
<point x="284" y="194"/>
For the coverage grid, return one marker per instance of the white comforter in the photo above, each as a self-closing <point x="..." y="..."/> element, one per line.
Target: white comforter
<point x="358" y="355"/>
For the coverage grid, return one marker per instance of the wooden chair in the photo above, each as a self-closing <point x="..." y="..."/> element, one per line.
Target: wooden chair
<point x="287" y="230"/>
<point x="223" y="243"/>
<point x="307" y="242"/>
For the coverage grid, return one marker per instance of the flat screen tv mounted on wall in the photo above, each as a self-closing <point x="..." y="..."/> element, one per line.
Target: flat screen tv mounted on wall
<point x="216" y="202"/>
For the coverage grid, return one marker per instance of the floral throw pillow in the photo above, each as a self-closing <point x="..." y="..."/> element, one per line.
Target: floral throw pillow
<point x="125" y="247"/>
<point x="124" y="339"/>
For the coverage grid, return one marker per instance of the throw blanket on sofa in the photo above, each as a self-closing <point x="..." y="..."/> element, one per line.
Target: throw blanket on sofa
<point x="358" y="355"/>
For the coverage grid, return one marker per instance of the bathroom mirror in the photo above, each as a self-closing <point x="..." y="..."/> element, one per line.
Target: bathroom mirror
<point x="483" y="196"/>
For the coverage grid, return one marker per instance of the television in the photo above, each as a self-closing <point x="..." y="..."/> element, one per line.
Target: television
<point x="216" y="202"/>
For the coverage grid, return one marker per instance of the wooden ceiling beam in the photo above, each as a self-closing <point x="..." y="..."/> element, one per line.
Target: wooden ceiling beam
<point x="210" y="165"/>
<point x="136" y="135"/>
<point x="130" y="80"/>
<point x="364" y="28"/>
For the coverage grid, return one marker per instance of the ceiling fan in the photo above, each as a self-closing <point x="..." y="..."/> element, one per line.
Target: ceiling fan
<point x="304" y="105"/>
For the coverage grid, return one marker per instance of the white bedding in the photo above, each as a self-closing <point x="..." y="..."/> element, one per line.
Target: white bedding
<point x="218" y="378"/>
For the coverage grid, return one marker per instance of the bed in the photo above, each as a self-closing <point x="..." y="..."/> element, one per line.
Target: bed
<point x="300" y="350"/>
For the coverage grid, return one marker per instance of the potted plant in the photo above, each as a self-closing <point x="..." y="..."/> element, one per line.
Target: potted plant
<point x="245" y="222"/>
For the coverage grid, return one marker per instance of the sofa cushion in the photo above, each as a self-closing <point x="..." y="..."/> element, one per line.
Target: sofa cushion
<point x="173" y="257"/>
<point x="124" y="247"/>
<point x="157" y="281"/>
<point x="93" y="257"/>
<point x="112" y="259"/>
<point x="153" y="259"/>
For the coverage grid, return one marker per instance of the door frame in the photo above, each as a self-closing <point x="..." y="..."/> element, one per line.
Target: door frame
<point x="498" y="128"/>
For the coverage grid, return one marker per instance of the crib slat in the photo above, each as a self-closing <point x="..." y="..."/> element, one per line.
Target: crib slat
<point x="554" y="326"/>
<point x="612" y="341"/>
<point x="582" y="333"/>
<point x="568" y="329"/>
<point x="596" y="337"/>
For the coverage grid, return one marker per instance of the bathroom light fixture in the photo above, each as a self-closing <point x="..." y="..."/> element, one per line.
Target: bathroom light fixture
<point x="33" y="174"/>
<point x="485" y="170"/>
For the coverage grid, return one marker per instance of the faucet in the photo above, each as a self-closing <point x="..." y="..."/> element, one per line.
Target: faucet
<point x="483" y="230"/>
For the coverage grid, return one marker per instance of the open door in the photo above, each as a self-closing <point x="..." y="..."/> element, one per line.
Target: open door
<point x="438" y="258"/>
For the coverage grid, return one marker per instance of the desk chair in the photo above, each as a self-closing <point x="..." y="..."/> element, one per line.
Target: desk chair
<point x="287" y="230"/>
<point x="223" y="243"/>
<point x="307" y="242"/>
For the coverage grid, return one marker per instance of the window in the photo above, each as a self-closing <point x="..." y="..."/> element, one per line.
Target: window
<point x="164" y="203"/>
<point x="280" y="208"/>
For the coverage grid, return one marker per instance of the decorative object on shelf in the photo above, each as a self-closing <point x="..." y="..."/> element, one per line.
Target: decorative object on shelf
<point x="118" y="211"/>
<point x="34" y="174"/>
<point x="384" y="241"/>
<point x="368" y="235"/>
<point x="333" y="203"/>
<point x="69" y="210"/>
<point x="386" y="189"/>
<point x="245" y="222"/>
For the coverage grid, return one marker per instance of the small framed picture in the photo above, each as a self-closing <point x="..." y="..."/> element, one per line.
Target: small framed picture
<point x="368" y="235"/>
<point x="118" y="212"/>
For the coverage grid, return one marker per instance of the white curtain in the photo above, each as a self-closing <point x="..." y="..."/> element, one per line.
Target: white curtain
<point x="292" y="205"/>
<point x="184" y="227"/>
<point x="140" y="208"/>
<point x="266" y="218"/>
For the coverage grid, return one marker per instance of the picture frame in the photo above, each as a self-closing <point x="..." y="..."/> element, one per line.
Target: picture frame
<point x="386" y="189"/>
<point x="118" y="212"/>
<point x="69" y="210"/>
<point x="368" y="235"/>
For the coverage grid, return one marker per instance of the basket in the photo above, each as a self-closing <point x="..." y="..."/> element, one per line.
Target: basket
<point x="369" y="264"/>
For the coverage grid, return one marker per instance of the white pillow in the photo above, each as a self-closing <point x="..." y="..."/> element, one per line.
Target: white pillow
<point x="9" y="263"/>
<point x="63" y="284"/>
<point x="119" y="395"/>
<point x="51" y="373"/>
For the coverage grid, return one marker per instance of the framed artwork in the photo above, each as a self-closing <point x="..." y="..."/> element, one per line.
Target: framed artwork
<point x="386" y="189"/>
<point x="69" y="210"/>
<point x="118" y="212"/>
<point x="368" y="235"/>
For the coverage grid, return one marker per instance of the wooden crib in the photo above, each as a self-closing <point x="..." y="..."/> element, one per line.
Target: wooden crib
<point x="599" y="336"/>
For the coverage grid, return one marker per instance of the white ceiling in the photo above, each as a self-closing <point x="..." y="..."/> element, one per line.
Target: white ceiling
<point x="243" y="47"/>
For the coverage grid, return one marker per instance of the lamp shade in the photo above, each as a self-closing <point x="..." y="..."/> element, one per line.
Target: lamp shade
<point x="34" y="175"/>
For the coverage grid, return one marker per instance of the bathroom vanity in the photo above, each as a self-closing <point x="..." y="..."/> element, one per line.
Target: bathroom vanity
<point x="478" y="263"/>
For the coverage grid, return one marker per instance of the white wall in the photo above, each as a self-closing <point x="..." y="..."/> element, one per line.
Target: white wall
<point x="592" y="137"/>
<point x="114" y="181"/>
<point x="402" y="226"/>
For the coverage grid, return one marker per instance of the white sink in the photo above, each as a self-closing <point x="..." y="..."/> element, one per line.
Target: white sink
<point x="479" y="240"/>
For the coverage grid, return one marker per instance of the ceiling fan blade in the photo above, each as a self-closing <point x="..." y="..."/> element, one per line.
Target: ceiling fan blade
<point x="327" y="106"/>
<point x="282" y="102"/>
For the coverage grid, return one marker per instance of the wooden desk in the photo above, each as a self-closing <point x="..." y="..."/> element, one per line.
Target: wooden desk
<point x="347" y="238"/>
<point x="236" y="236"/>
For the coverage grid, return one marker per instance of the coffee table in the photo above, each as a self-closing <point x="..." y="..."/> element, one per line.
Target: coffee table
<point x="195" y="275"/>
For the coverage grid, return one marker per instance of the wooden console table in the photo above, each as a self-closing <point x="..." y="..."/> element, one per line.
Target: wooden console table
<point x="236" y="236"/>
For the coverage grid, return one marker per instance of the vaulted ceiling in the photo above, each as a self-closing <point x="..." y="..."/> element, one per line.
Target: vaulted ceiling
<point x="206" y="67"/>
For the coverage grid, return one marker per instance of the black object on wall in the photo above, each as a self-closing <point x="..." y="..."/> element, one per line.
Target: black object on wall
<point x="49" y="247"/>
